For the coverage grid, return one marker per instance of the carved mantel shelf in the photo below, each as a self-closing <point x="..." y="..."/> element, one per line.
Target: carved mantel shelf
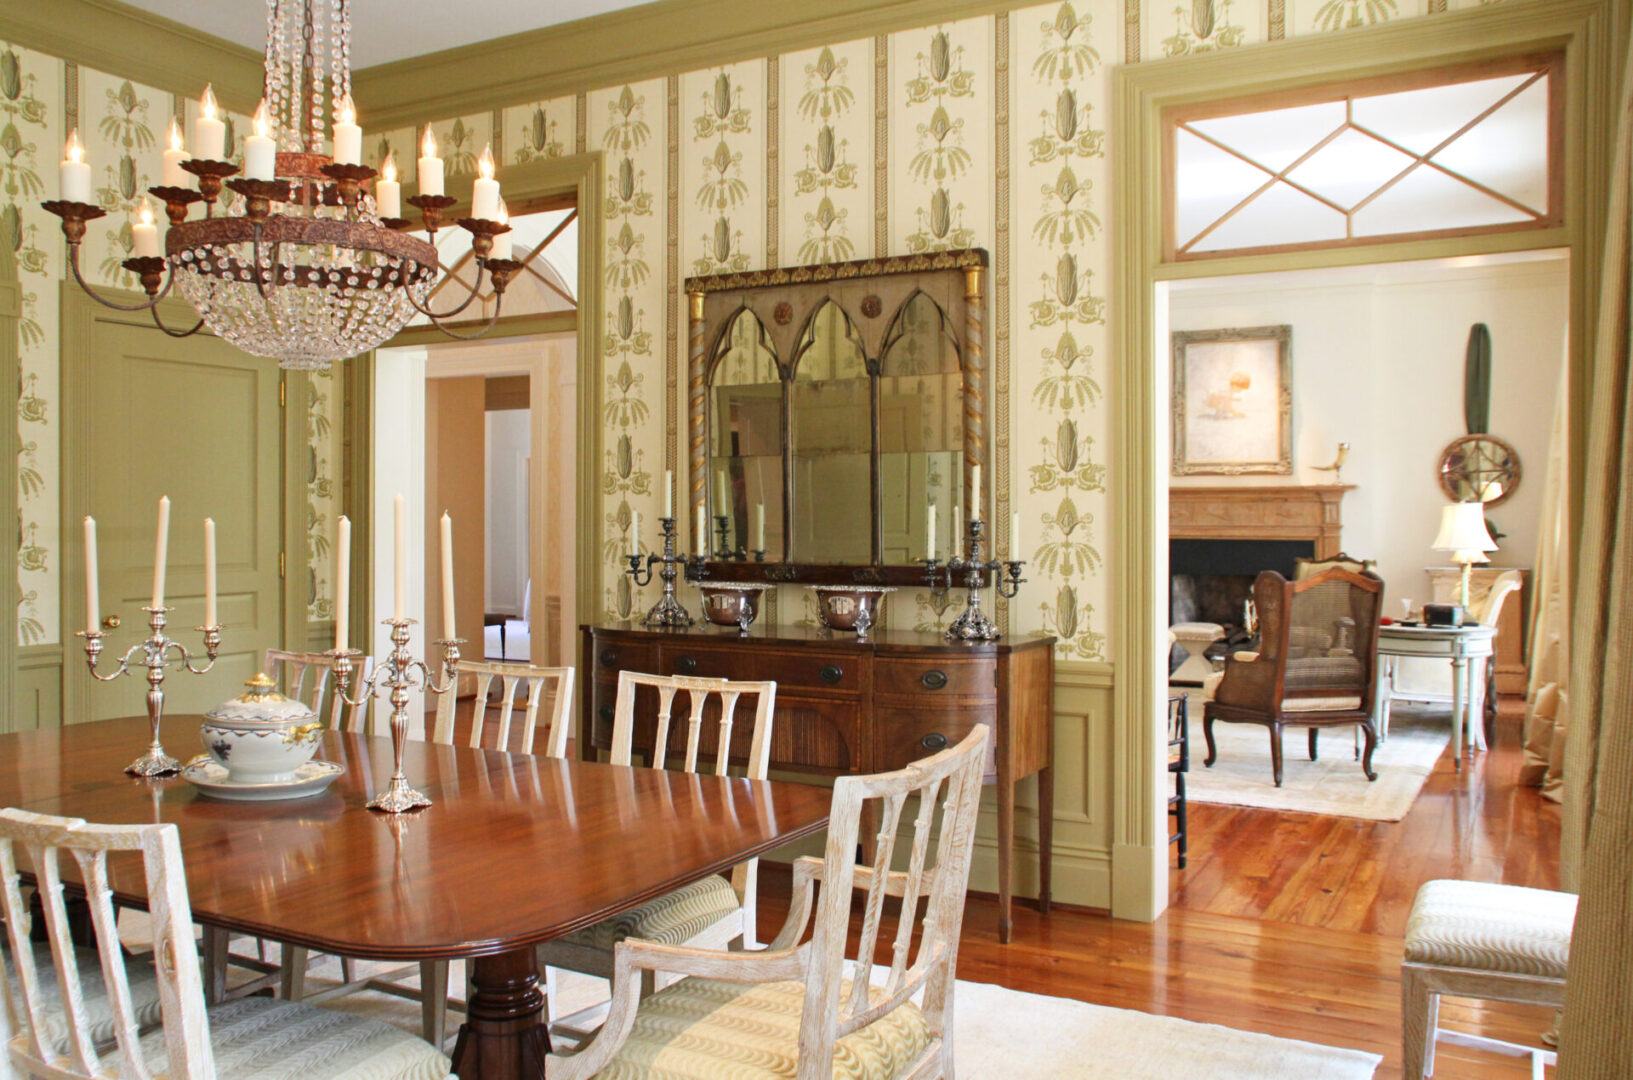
<point x="1260" y="512"/>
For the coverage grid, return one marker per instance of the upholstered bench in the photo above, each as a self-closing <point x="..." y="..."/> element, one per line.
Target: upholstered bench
<point x="1477" y="940"/>
<point x="1194" y="638"/>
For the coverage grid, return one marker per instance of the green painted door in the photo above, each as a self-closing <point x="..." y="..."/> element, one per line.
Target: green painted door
<point x="199" y="421"/>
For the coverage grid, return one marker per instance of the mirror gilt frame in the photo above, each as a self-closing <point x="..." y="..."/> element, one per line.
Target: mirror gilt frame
<point x="872" y="294"/>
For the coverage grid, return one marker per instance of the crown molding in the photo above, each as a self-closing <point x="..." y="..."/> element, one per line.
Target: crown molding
<point x="133" y="44"/>
<point x="628" y="45"/>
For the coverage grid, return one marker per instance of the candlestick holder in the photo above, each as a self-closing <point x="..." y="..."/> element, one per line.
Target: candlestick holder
<point x="398" y="673"/>
<point x="152" y="655"/>
<point x="724" y="549"/>
<point x="668" y="611"/>
<point x="972" y="624"/>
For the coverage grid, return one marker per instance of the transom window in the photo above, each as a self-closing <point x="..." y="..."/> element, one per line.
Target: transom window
<point x="1430" y="154"/>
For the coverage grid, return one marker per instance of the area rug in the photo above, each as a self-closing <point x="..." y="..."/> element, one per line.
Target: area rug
<point x="1005" y="1034"/>
<point x="1333" y="784"/>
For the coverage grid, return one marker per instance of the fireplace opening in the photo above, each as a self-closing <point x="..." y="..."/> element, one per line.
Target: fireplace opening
<point x="1211" y="580"/>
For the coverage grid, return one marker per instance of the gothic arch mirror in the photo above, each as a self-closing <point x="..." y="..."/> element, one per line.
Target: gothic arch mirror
<point x="745" y="438"/>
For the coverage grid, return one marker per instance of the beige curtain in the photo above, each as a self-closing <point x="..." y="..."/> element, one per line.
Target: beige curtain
<point x="1597" y="848"/>
<point x="1549" y="633"/>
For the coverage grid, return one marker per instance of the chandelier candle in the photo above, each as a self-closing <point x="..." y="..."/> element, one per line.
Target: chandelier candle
<point x="74" y="175"/>
<point x="348" y="137"/>
<point x="174" y="175"/>
<point x="260" y="151"/>
<point x="388" y="193"/>
<point x="485" y="189"/>
<point x="144" y="235"/>
<point x="209" y="131"/>
<point x="501" y="241"/>
<point x="430" y="166"/>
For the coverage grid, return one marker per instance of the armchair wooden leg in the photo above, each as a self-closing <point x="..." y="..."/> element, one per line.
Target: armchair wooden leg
<point x="1371" y="745"/>
<point x="1315" y="733"/>
<point x="1207" y="733"/>
<point x="1275" y="751"/>
<point x="1419" y="1017"/>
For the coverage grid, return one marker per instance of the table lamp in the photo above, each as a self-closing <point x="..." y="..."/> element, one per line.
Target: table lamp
<point x="1463" y="533"/>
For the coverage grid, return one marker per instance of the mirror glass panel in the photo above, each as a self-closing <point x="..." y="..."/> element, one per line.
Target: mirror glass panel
<point x="745" y="440"/>
<point x="921" y="433"/>
<point x="831" y="437"/>
<point x="1479" y="468"/>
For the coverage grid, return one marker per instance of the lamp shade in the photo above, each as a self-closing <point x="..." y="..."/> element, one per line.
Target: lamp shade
<point x="1463" y="528"/>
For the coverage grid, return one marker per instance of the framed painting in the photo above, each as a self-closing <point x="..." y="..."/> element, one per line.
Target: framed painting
<point x="1233" y="401"/>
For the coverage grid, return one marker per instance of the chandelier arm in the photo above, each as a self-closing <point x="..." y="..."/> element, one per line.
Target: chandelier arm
<point x="152" y="302"/>
<point x="434" y="315"/>
<point x="176" y="333"/>
<point x="483" y="329"/>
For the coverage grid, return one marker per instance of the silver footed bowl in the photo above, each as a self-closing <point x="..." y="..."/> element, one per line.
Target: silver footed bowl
<point x="849" y="607"/>
<point x="261" y="736"/>
<point x="731" y="603"/>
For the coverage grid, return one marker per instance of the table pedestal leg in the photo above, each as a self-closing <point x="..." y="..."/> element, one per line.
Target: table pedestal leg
<point x="1459" y="669"/>
<point x="504" y="1036"/>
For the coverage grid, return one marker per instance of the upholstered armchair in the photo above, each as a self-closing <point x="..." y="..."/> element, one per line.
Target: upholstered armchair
<point x="1318" y="651"/>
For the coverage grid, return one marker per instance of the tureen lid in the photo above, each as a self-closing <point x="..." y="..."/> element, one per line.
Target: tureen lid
<point x="261" y="704"/>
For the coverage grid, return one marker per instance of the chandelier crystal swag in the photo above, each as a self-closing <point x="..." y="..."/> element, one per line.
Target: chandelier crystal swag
<point x="312" y="263"/>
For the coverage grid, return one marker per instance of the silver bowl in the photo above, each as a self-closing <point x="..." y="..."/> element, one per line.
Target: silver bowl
<point x="849" y="607"/>
<point x="731" y="603"/>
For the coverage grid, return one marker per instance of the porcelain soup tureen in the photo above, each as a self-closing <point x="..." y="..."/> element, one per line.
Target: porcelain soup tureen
<point x="261" y="736"/>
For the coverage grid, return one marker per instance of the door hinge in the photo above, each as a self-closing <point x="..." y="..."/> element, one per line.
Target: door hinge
<point x="283" y="393"/>
<point x="280" y="566"/>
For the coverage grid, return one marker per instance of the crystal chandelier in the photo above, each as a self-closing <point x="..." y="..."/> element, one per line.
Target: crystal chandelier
<point x="311" y="264"/>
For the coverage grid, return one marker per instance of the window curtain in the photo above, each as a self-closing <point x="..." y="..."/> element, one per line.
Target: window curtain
<point x="1549" y="632"/>
<point x="1597" y="846"/>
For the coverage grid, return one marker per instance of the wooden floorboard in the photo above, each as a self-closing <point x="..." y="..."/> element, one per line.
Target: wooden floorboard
<point x="1292" y="924"/>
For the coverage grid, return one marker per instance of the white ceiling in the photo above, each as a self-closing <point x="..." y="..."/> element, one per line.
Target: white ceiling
<point x="386" y="30"/>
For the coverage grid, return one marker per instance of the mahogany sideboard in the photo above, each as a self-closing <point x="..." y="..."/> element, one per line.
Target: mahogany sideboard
<point x="848" y="706"/>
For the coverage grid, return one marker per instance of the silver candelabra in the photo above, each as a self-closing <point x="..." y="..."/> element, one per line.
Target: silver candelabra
<point x="973" y="624"/>
<point x="723" y="547"/>
<point x="668" y="611"/>
<point x="399" y="672"/>
<point x="152" y="655"/>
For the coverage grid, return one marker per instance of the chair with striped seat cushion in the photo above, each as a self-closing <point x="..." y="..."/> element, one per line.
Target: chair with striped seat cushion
<point x="249" y="1039"/>
<point x="712" y="913"/>
<point x="1479" y="940"/>
<point x="144" y="994"/>
<point x="817" y="1011"/>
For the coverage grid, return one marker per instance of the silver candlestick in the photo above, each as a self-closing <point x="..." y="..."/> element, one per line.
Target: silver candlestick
<point x="152" y="654"/>
<point x="668" y="611"/>
<point x="972" y="624"/>
<point x="399" y="672"/>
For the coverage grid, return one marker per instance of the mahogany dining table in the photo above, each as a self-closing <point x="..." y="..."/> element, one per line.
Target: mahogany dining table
<point x="514" y="850"/>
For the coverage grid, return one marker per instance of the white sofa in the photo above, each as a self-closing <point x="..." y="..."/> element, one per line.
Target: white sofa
<point x="514" y="640"/>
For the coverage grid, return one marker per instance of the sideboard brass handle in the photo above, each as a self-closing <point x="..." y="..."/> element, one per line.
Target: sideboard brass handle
<point x="934" y="741"/>
<point x="686" y="665"/>
<point x="831" y="673"/>
<point x="933" y="679"/>
<point x="609" y="657"/>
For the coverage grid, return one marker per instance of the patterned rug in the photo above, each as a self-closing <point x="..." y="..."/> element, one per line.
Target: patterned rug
<point x="1334" y="783"/>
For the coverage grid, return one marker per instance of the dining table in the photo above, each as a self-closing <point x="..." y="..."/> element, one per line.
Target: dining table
<point x="514" y="850"/>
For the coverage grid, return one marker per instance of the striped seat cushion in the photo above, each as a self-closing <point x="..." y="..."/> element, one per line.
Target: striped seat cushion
<point x="1506" y="928"/>
<point x="703" y="1029"/>
<point x="144" y="994"/>
<point x="672" y="919"/>
<point x="260" y="1039"/>
<point x="1321" y="704"/>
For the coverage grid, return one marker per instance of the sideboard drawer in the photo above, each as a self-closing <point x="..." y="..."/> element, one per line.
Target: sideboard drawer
<point x="806" y="668"/>
<point x="936" y="677"/>
<point x="903" y="736"/>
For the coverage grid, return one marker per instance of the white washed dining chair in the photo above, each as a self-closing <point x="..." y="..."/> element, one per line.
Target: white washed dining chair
<point x="49" y="1020"/>
<point x="714" y="912"/>
<point x="792" y="1009"/>
<point x="552" y="684"/>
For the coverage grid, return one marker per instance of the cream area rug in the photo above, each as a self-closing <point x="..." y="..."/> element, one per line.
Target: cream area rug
<point x="1004" y="1034"/>
<point x="1332" y="784"/>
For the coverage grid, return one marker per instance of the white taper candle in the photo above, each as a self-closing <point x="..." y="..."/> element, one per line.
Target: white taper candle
<point x="975" y="493"/>
<point x="930" y="532"/>
<point x="209" y="572"/>
<point x="161" y="549"/>
<point x="635" y="532"/>
<point x="669" y="493"/>
<point x="399" y="515"/>
<point x="93" y="603"/>
<point x="759" y="526"/>
<point x="448" y="577"/>
<point x="343" y="581"/>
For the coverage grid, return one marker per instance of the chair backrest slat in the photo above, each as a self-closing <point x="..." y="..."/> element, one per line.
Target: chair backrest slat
<point x="556" y="682"/>
<point x="825" y="1019"/>
<point x="309" y="677"/>
<point x="73" y="1052"/>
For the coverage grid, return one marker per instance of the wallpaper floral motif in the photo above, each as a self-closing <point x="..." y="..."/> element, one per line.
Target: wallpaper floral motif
<point x="628" y="123"/>
<point x="540" y="129"/>
<point x="941" y="120"/>
<point x="323" y="461"/>
<point x="826" y="126"/>
<point x="1193" y="27"/>
<point x="722" y="169"/>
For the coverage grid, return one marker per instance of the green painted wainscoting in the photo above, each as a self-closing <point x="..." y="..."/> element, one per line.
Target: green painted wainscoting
<point x="36" y="696"/>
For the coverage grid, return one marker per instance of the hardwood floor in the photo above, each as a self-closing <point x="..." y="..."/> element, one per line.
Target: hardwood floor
<point x="1292" y="924"/>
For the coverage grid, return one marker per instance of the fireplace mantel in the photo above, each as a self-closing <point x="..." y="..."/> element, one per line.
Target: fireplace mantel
<point x="1260" y="512"/>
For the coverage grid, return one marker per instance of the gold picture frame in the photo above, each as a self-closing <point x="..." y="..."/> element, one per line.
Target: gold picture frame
<point x="1233" y="401"/>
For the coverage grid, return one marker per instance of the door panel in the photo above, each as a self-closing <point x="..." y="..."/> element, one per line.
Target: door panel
<point x="199" y="421"/>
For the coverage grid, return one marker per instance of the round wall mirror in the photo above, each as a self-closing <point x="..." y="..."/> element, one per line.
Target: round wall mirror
<point x="1479" y="468"/>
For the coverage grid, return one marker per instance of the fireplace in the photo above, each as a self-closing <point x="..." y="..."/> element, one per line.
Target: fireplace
<point x="1210" y="580"/>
